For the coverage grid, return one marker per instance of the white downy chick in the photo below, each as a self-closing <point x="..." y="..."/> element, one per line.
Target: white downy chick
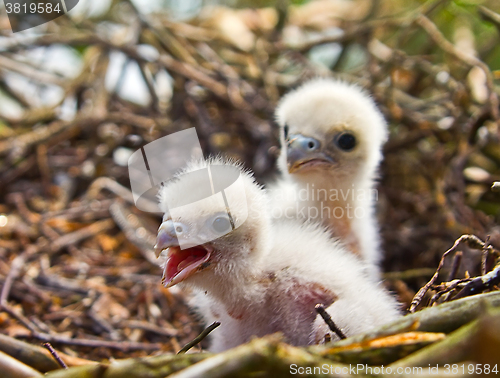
<point x="332" y="135"/>
<point x="262" y="277"/>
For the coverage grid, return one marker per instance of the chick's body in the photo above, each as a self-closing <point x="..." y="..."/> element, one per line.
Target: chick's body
<point x="293" y="276"/>
<point x="264" y="277"/>
<point x="332" y="135"/>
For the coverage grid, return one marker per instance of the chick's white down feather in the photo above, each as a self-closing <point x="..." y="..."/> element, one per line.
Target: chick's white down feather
<point x="325" y="178"/>
<point x="264" y="276"/>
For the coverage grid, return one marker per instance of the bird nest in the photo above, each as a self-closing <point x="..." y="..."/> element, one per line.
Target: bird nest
<point x="76" y="261"/>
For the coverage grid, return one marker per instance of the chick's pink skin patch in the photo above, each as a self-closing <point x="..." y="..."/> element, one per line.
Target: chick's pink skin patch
<point x="182" y="263"/>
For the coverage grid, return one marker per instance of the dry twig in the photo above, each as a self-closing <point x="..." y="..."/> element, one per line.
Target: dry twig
<point x="320" y="308"/>
<point x="199" y="338"/>
<point x="471" y="240"/>
<point x="54" y="354"/>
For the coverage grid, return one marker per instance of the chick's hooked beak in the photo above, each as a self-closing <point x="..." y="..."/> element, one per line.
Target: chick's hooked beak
<point x="183" y="259"/>
<point x="305" y="152"/>
<point x="165" y="238"/>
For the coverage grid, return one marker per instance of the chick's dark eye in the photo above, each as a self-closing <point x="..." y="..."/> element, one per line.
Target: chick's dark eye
<point x="221" y="224"/>
<point x="285" y="129"/>
<point x="346" y="141"/>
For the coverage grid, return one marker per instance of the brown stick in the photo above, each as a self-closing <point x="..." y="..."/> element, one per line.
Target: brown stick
<point x="200" y="337"/>
<point x="480" y="284"/>
<point x="471" y="240"/>
<point x="15" y="267"/>
<point x="14" y="272"/>
<point x="420" y="294"/>
<point x="468" y="59"/>
<point x="484" y="256"/>
<point x="56" y="356"/>
<point x="320" y="308"/>
<point x="489" y="15"/>
<point x="457" y="259"/>
<point x="84" y="233"/>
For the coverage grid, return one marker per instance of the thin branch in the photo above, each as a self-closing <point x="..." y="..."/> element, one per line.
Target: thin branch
<point x="480" y="284"/>
<point x="200" y="337"/>
<point x="14" y="271"/>
<point x="489" y="15"/>
<point x="131" y="224"/>
<point x="471" y="240"/>
<point x="320" y="308"/>
<point x="29" y="72"/>
<point x="84" y="233"/>
<point x="409" y="274"/>
<point x="54" y="354"/>
<point x="484" y="256"/>
<point x="15" y="268"/>
<point x="446" y="288"/>
<point x="468" y="59"/>
<point x="457" y="259"/>
<point x="21" y="318"/>
<point x="124" y="346"/>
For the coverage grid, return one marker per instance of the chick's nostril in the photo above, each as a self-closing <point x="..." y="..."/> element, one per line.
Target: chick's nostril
<point x="309" y="144"/>
<point x="303" y="143"/>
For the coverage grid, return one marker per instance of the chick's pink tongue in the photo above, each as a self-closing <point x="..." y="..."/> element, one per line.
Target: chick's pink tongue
<point x="186" y="262"/>
<point x="180" y="259"/>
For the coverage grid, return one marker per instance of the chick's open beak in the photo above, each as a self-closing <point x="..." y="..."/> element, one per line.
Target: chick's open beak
<point x="181" y="263"/>
<point x="305" y="152"/>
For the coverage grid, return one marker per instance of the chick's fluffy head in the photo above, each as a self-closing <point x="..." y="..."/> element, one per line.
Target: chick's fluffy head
<point x="323" y="109"/>
<point x="196" y="200"/>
